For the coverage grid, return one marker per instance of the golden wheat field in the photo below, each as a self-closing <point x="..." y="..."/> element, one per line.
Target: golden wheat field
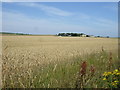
<point x="45" y="49"/>
<point x="20" y="54"/>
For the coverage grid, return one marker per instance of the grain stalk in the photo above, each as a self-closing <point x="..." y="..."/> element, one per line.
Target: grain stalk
<point x="110" y="61"/>
<point x="81" y="75"/>
<point x="92" y="70"/>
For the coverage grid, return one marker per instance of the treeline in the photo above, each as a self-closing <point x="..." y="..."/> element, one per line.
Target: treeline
<point x="73" y="34"/>
<point x="13" y="33"/>
<point x="79" y="35"/>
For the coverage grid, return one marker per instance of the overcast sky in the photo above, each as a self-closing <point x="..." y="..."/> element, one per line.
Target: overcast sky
<point x="93" y="18"/>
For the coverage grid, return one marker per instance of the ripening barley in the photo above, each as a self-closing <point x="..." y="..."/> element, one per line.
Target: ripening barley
<point x="28" y="60"/>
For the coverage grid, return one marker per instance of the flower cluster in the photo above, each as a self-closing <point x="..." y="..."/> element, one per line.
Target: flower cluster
<point x="112" y="78"/>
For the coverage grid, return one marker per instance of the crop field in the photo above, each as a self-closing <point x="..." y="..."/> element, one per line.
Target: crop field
<point x="55" y="62"/>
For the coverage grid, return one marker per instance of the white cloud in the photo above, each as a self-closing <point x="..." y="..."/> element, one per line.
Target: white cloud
<point x="110" y="7"/>
<point x="48" y="9"/>
<point x="105" y="22"/>
<point x="95" y="20"/>
<point x="84" y="16"/>
<point x="17" y="22"/>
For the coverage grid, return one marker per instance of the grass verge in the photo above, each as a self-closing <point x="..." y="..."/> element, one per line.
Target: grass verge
<point x="65" y="74"/>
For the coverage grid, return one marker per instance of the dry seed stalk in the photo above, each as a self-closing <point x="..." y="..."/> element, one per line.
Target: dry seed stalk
<point x="110" y="61"/>
<point x="92" y="70"/>
<point x="83" y="68"/>
<point x="81" y="76"/>
<point x="102" y="49"/>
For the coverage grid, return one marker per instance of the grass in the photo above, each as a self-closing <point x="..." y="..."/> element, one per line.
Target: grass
<point x="55" y="62"/>
<point x="65" y="74"/>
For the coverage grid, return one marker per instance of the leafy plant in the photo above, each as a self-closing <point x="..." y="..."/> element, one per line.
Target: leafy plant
<point x="112" y="79"/>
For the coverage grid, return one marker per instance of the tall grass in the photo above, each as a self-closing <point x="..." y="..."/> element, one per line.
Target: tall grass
<point x="76" y="72"/>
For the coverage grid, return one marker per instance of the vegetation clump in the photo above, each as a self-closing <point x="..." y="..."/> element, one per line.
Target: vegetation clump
<point x="73" y="34"/>
<point x="112" y="79"/>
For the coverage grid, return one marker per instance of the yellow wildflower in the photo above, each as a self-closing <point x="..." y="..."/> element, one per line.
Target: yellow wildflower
<point x="113" y="73"/>
<point x="116" y="81"/>
<point x="104" y="79"/>
<point x="105" y="74"/>
<point x="116" y="70"/>
<point x="109" y="73"/>
<point x="118" y="73"/>
<point x="114" y="84"/>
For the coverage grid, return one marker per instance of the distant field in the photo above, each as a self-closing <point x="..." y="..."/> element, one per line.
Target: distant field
<point x="26" y="58"/>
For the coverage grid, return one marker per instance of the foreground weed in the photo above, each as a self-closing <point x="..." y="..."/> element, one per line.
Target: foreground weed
<point x="110" y="61"/>
<point x="81" y="75"/>
<point x="112" y="79"/>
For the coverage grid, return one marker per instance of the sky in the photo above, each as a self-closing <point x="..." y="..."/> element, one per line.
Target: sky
<point x="92" y="18"/>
